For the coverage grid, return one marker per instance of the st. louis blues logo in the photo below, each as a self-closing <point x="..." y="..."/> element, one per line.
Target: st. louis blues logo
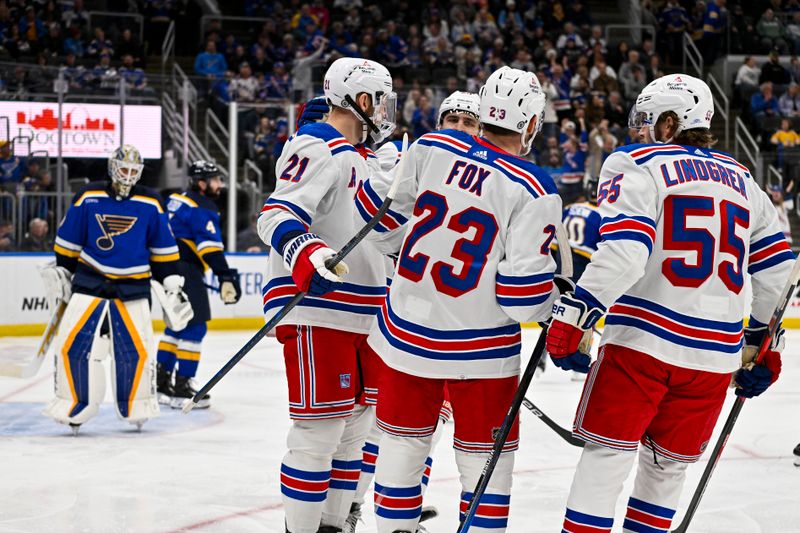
<point x="112" y="226"/>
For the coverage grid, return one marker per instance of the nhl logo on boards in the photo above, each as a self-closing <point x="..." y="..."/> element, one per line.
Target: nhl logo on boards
<point x="344" y="381"/>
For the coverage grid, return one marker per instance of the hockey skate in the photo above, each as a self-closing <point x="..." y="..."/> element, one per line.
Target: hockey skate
<point x="329" y="529"/>
<point x="352" y="519"/>
<point x="797" y="455"/>
<point x="184" y="391"/>
<point x="164" y="387"/>
<point x="76" y="427"/>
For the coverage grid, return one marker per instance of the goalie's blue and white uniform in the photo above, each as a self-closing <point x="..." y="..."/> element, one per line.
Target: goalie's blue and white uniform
<point x="113" y="239"/>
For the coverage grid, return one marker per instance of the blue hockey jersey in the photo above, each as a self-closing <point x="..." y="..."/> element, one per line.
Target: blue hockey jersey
<point x="194" y="219"/>
<point x="582" y="222"/>
<point x="110" y="243"/>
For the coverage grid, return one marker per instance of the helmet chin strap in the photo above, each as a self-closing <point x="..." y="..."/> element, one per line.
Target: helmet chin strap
<point x="366" y="121"/>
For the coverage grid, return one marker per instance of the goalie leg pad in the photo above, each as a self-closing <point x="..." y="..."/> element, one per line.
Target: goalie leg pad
<point x="656" y="492"/>
<point x="75" y="400"/>
<point x="168" y="349"/>
<point x="133" y="365"/>
<point x="306" y="471"/>
<point x="491" y="515"/>
<point x="346" y="466"/>
<point x="190" y="340"/>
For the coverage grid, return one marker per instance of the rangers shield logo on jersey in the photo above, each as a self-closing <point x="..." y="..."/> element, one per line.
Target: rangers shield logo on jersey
<point x="112" y="226"/>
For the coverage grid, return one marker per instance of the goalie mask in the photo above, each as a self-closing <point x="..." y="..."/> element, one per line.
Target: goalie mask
<point x="125" y="167"/>
<point x="349" y="77"/>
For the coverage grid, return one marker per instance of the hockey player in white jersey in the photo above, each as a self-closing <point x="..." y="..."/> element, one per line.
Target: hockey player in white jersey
<point x="682" y="225"/>
<point x="114" y="237"/>
<point x="460" y="111"/>
<point x="330" y="368"/>
<point x="478" y="220"/>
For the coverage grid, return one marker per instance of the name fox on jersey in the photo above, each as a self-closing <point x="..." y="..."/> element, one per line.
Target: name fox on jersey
<point x="470" y="176"/>
<point x="689" y="170"/>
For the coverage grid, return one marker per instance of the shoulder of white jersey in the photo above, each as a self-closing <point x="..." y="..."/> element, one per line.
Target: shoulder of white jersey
<point x="323" y="133"/>
<point x="533" y="179"/>
<point x="727" y="158"/>
<point x="642" y="153"/>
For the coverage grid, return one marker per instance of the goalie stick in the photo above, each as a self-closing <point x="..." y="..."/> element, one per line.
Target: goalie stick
<point x="291" y="304"/>
<point x="30" y="367"/>
<point x="774" y="323"/>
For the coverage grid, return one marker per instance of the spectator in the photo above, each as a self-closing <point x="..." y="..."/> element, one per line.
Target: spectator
<point x="52" y="44"/>
<point x="75" y="74"/>
<point x="776" y="195"/>
<point x="633" y="87"/>
<point x="31" y="27"/>
<point x="301" y="72"/>
<point x="103" y="75"/>
<point x="509" y="18"/>
<point x="550" y="118"/>
<point x="99" y="44"/>
<point x="714" y="21"/>
<point x="569" y="33"/>
<point x="626" y="70"/>
<point x="128" y="45"/>
<point x="793" y="32"/>
<point x="770" y="29"/>
<point x="604" y="82"/>
<point x="36" y="240"/>
<point x="278" y="84"/>
<point x="570" y="184"/>
<point x="134" y="77"/>
<point x="7" y="243"/>
<point x="73" y="44"/>
<point x="747" y="77"/>
<point x="76" y="16"/>
<point x="244" y="87"/>
<point x="424" y="118"/>
<point x="773" y="71"/>
<point x="786" y="136"/>
<point x="596" y="38"/>
<point x="11" y="168"/>
<point x="789" y="102"/>
<point x="674" y="22"/>
<point x="794" y="69"/>
<point x="248" y="240"/>
<point x="600" y="67"/>
<point x="210" y="63"/>
<point x="763" y="105"/>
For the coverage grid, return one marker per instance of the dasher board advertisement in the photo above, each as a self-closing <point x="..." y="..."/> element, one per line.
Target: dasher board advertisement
<point x="89" y="130"/>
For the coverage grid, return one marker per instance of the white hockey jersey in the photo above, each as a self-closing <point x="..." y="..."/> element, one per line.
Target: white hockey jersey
<point x="475" y="260"/>
<point x="681" y="228"/>
<point x="319" y="172"/>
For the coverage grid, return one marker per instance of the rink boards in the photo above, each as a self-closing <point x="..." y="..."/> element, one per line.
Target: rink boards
<point x="25" y="311"/>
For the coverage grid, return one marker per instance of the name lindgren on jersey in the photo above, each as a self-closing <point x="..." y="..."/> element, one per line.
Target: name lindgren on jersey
<point x="681" y="227"/>
<point x="477" y="225"/>
<point x="319" y="173"/>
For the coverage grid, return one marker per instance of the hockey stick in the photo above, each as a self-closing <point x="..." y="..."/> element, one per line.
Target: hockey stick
<point x="502" y="433"/>
<point x="297" y="298"/>
<point x="774" y="322"/>
<point x="552" y="424"/>
<point x="31" y="367"/>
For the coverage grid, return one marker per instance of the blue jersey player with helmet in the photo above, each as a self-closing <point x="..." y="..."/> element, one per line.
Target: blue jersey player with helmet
<point x="114" y="238"/>
<point x="194" y="219"/>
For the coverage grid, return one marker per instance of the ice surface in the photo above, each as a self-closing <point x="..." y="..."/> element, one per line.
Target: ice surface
<point x="217" y="470"/>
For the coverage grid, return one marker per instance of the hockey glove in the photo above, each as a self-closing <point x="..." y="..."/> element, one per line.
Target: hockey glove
<point x="569" y="337"/>
<point x="315" y="110"/>
<point x="177" y="309"/>
<point x="753" y="379"/>
<point x="57" y="283"/>
<point x="229" y="289"/>
<point x="305" y="258"/>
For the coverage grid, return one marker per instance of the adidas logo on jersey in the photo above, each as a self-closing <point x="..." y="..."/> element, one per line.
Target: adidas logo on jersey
<point x="481" y="154"/>
<point x="698" y="151"/>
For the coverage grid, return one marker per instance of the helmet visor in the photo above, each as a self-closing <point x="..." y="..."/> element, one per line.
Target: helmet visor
<point x="638" y="119"/>
<point x="385" y="116"/>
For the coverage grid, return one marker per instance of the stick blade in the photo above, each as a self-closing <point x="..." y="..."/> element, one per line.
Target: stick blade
<point x="188" y="406"/>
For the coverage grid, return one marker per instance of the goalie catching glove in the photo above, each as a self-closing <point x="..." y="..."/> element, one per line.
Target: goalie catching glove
<point x="229" y="289"/>
<point x="569" y="337"/>
<point x="753" y="379"/>
<point x="305" y="257"/>
<point x="175" y="304"/>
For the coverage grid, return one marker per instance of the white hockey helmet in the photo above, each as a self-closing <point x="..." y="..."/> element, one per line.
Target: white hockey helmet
<point x="460" y="102"/>
<point x="125" y="167"/>
<point x="348" y="77"/>
<point x="686" y="96"/>
<point x="510" y="99"/>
